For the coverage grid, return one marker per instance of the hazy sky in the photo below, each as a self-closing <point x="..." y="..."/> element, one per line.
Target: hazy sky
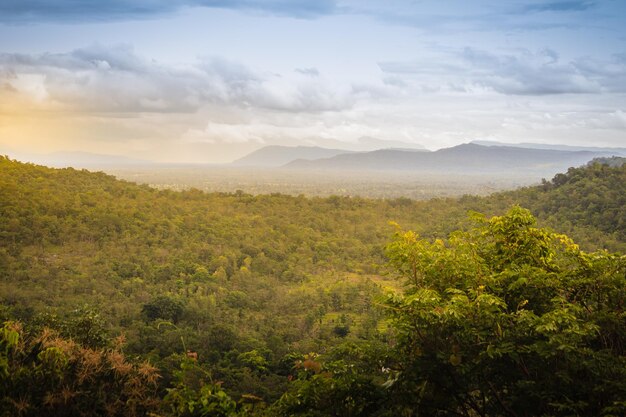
<point x="210" y="80"/>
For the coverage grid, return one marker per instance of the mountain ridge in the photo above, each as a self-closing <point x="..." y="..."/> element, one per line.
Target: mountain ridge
<point x="464" y="158"/>
<point x="278" y="155"/>
<point x="548" y="146"/>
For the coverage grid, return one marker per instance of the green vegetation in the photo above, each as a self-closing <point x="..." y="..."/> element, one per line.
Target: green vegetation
<point x="503" y="319"/>
<point x="508" y="319"/>
<point x="225" y="296"/>
<point x="587" y="203"/>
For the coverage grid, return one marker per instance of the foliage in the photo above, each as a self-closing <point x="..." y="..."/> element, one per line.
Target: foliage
<point x="46" y="375"/>
<point x="612" y="161"/>
<point x="587" y="203"/>
<point x="507" y="319"/>
<point x="248" y="283"/>
<point x="192" y="396"/>
<point x="164" y="308"/>
<point x="339" y="385"/>
<point x="233" y="272"/>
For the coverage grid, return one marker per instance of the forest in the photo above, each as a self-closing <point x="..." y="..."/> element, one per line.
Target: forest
<point x="120" y="299"/>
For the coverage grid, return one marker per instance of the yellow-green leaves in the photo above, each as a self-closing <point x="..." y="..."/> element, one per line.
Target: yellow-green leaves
<point x="506" y="312"/>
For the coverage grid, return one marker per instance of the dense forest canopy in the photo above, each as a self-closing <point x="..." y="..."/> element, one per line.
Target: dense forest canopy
<point x="277" y="305"/>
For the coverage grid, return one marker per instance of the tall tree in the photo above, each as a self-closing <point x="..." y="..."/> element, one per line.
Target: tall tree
<point x="507" y="319"/>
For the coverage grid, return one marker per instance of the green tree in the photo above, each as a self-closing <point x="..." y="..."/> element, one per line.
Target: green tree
<point x="339" y="385"/>
<point x="195" y="395"/>
<point x="163" y="307"/>
<point x="507" y="319"/>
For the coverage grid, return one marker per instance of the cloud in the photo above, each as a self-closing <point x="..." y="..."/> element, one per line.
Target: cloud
<point x="615" y="120"/>
<point x="105" y="80"/>
<point x="224" y="133"/>
<point x="315" y="132"/>
<point x="517" y="72"/>
<point x="116" y="79"/>
<point x="310" y="72"/>
<point x="561" y="6"/>
<point x="541" y="73"/>
<point x="79" y="11"/>
<point x="466" y="18"/>
<point x="528" y="73"/>
<point x="32" y="85"/>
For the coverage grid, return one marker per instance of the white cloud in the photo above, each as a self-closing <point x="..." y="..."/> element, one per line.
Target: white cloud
<point x="115" y="79"/>
<point x="309" y="72"/>
<point x="29" y="84"/>
<point x="314" y="132"/>
<point x="224" y="133"/>
<point x="514" y="72"/>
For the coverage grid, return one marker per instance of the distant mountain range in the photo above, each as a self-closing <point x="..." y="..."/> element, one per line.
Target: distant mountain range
<point x="277" y="156"/>
<point x="463" y="159"/>
<point x="615" y="151"/>
<point x="486" y="157"/>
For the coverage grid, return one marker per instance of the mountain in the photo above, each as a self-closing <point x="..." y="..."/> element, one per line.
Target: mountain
<point x="276" y="155"/>
<point x="615" y="151"/>
<point x="462" y="159"/>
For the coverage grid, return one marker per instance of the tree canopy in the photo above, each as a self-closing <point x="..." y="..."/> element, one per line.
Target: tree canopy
<point x="507" y="319"/>
<point x="276" y="305"/>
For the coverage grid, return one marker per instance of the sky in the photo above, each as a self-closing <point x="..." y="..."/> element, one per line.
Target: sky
<point x="207" y="81"/>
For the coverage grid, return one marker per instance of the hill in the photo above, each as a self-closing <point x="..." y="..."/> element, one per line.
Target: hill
<point x="275" y="155"/>
<point x="462" y="159"/>
<point x="583" y="202"/>
<point x="247" y="283"/>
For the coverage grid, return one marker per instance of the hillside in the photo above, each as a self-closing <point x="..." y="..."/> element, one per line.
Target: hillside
<point x="591" y="199"/>
<point x="247" y="283"/>
<point x="275" y="156"/>
<point x="587" y="203"/>
<point x="462" y="159"/>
